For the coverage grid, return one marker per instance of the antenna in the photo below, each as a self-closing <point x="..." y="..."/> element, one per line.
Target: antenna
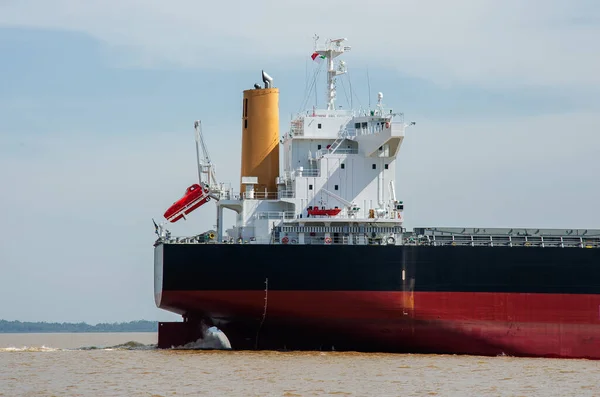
<point x="351" y="93"/>
<point x="369" y="87"/>
<point x="316" y="95"/>
<point x="305" y="76"/>
<point x="315" y="40"/>
<point x="197" y="133"/>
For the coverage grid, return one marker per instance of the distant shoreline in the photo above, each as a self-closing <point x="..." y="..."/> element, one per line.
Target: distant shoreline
<point x="19" y="327"/>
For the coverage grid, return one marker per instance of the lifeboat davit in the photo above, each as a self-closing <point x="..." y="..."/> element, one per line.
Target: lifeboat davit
<point x="194" y="197"/>
<point x="316" y="211"/>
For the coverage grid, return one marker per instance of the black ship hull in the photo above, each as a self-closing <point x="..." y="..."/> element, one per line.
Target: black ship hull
<point x="527" y="301"/>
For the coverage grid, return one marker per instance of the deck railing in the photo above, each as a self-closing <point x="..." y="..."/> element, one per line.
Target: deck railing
<point x="275" y="215"/>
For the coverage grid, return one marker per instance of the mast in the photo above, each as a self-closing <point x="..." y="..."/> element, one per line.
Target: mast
<point x="197" y="136"/>
<point x="332" y="49"/>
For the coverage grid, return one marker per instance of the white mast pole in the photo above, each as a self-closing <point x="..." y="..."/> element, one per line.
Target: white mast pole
<point x="330" y="80"/>
<point x="196" y="128"/>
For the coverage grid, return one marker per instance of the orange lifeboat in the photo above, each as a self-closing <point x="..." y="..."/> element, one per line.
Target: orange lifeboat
<point x="316" y="211"/>
<point x="194" y="197"/>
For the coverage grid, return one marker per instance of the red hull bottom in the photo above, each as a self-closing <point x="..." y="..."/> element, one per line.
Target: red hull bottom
<point x="538" y="325"/>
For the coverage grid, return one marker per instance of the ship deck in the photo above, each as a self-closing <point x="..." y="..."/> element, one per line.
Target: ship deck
<point x="527" y="237"/>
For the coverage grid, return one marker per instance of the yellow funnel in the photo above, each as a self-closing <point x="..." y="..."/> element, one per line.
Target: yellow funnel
<point x="260" y="137"/>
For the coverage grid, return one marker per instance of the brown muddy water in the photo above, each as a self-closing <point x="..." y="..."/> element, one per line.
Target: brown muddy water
<point x="128" y="364"/>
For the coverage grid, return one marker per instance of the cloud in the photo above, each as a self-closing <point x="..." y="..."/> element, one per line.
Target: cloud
<point x="475" y="41"/>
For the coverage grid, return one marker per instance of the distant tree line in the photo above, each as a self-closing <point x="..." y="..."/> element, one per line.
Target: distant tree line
<point x="25" y="327"/>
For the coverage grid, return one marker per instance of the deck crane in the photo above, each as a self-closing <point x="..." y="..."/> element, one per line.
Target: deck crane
<point x="205" y="165"/>
<point x="199" y="193"/>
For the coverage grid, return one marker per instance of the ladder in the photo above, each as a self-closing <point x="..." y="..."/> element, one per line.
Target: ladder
<point x="336" y="144"/>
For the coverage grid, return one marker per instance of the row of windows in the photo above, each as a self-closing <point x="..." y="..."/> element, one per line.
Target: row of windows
<point x="358" y="125"/>
<point x="336" y="187"/>
<point x="343" y="166"/>
<point x="386" y="166"/>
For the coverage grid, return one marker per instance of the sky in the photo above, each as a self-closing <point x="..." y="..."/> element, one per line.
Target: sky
<point x="98" y="100"/>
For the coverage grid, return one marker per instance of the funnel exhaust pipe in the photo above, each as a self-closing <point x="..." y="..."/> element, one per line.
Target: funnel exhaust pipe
<point x="268" y="80"/>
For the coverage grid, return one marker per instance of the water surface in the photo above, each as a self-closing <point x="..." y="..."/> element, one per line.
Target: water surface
<point x="128" y="364"/>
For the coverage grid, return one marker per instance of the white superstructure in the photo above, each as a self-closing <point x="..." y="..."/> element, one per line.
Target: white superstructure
<point x="336" y="183"/>
<point x="332" y="159"/>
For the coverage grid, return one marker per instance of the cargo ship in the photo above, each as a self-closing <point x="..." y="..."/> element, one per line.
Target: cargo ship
<point x="319" y="259"/>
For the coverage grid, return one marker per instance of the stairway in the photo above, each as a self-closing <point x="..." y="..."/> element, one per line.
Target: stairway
<point x="336" y="144"/>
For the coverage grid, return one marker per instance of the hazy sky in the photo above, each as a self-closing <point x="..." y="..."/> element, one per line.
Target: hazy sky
<point x="98" y="99"/>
